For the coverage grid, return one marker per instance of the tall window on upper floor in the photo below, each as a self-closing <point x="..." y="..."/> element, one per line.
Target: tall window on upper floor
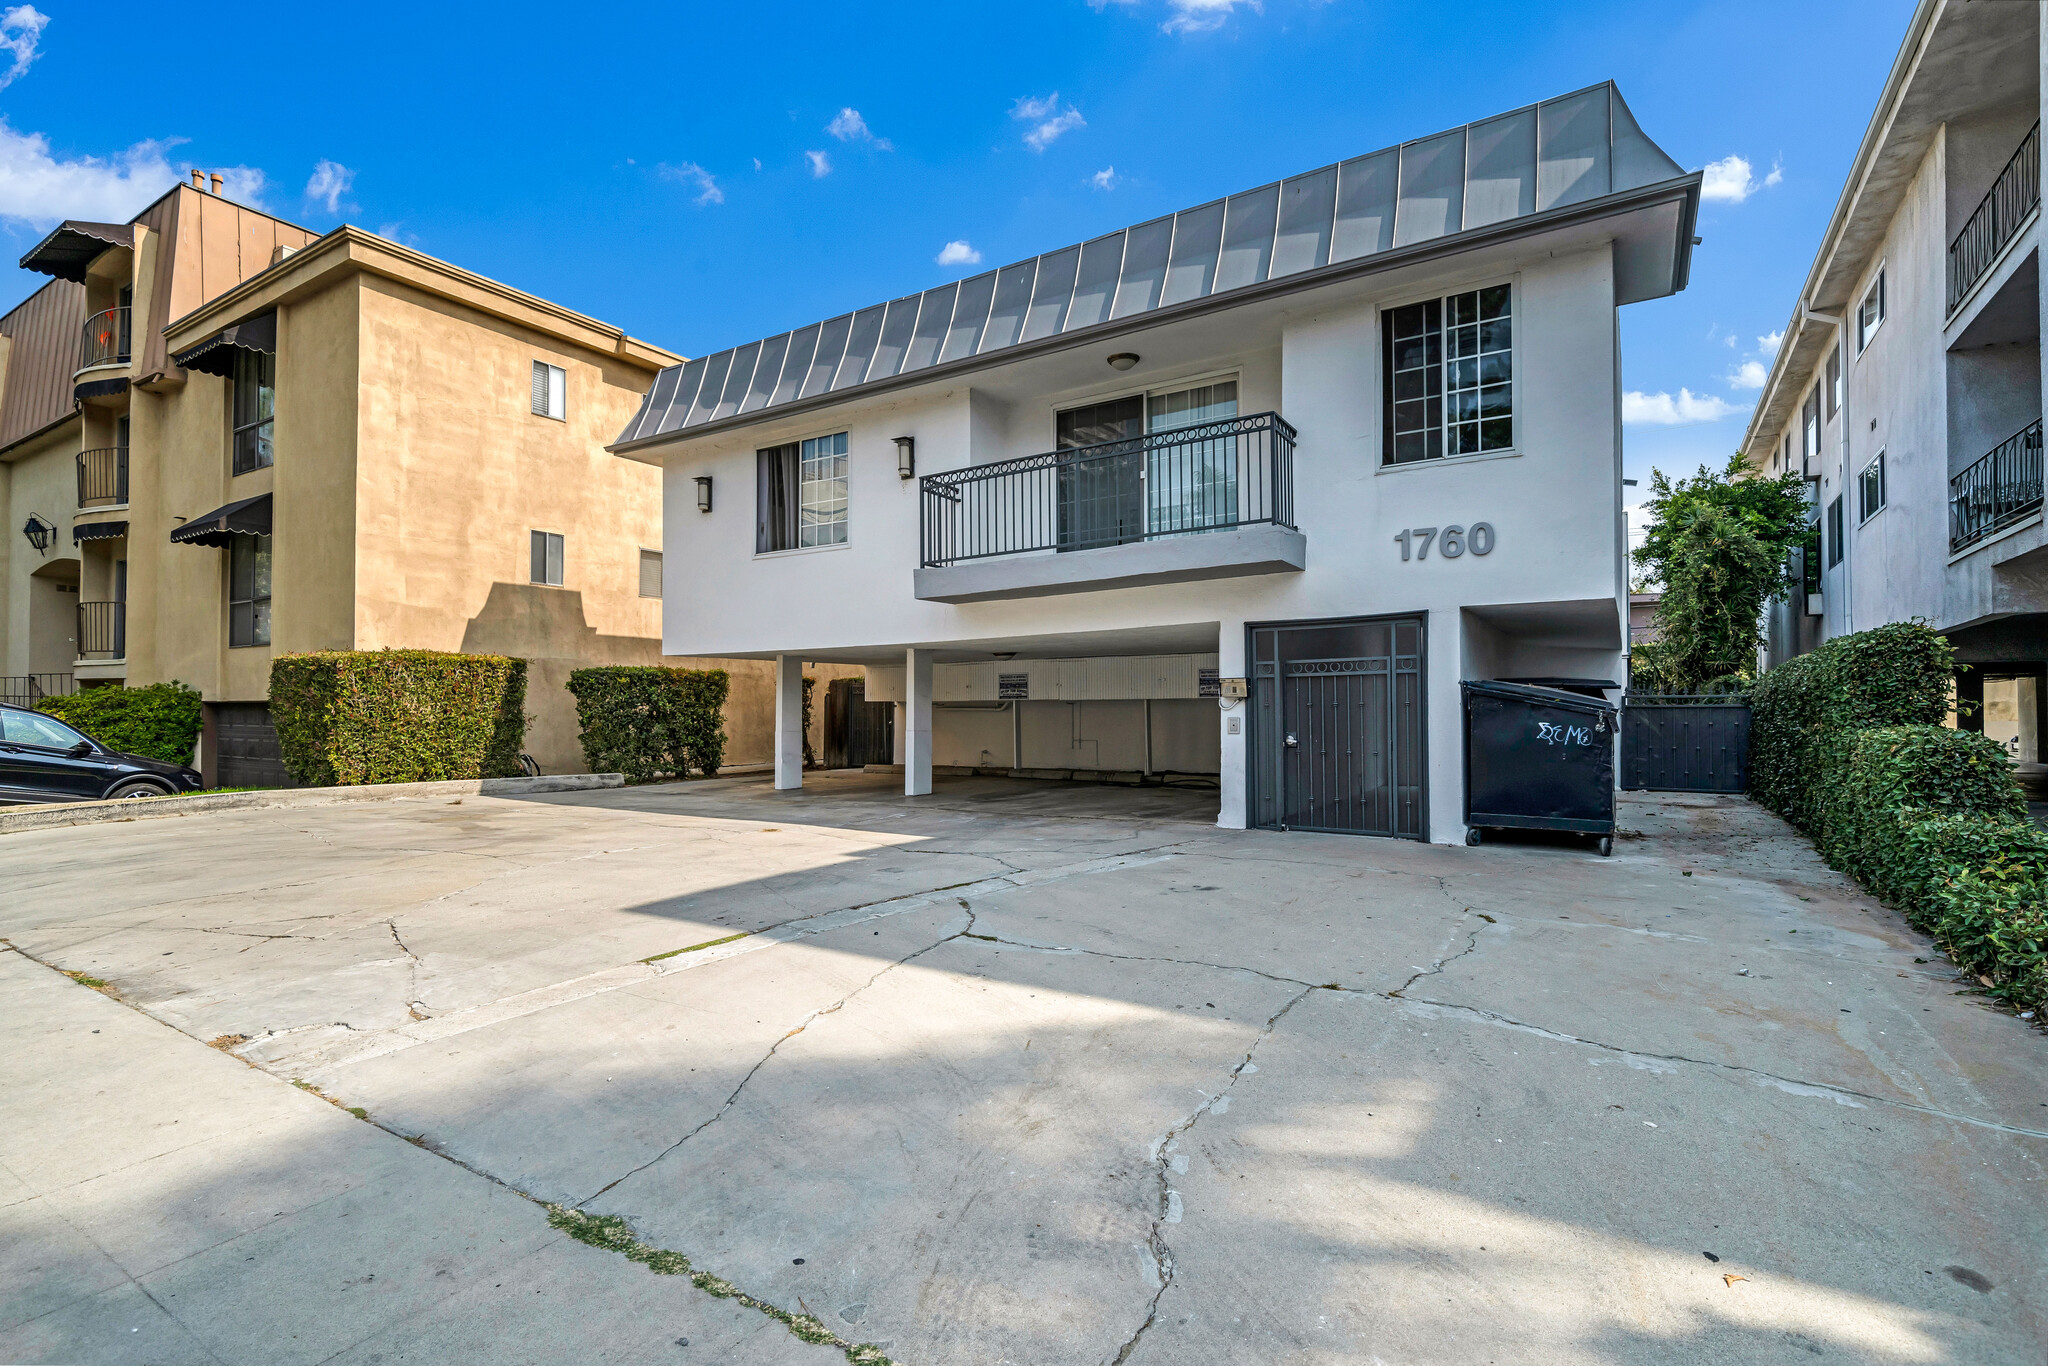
<point x="550" y="391"/>
<point x="1448" y="371"/>
<point x="1834" y="384"/>
<point x="249" y="591"/>
<point x="1870" y="313"/>
<point x="800" y="494"/>
<point x="1870" y="489"/>
<point x="1809" y="430"/>
<point x="255" y="403"/>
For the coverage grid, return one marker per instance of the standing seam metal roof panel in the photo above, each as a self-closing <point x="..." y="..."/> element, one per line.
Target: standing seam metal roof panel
<point x="1576" y="147"/>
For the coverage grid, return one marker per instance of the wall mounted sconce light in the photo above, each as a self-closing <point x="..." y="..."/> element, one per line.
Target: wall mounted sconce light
<point x="1123" y="360"/>
<point x="703" y="493"/>
<point x="906" y="456"/>
<point x="39" y="532"/>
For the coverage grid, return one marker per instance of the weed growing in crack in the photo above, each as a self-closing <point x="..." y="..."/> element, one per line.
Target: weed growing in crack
<point x="95" y="983"/>
<point x="611" y="1233"/>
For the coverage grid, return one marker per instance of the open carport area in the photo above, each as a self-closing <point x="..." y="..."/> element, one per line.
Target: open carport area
<point x="1015" y="1073"/>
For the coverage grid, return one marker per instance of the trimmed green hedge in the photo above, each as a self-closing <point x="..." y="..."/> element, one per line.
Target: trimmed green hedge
<point x="160" y="721"/>
<point x="648" y="722"/>
<point x="1845" y="743"/>
<point x="345" y="717"/>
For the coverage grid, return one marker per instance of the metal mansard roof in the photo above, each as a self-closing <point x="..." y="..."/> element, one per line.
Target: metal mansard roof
<point x="1574" y="150"/>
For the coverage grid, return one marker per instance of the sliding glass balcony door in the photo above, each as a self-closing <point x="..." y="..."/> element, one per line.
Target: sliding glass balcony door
<point x="1127" y="487"/>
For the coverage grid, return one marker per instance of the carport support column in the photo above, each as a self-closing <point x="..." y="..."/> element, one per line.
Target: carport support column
<point x="789" y="722"/>
<point x="917" y="723"/>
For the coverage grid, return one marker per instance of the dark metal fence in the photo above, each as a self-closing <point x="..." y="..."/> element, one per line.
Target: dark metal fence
<point x="102" y="630"/>
<point x="2013" y="196"/>
<point x="25" y="690"/>
<point x="106" y="338"/>
<point x="103" y="476"/>
<point x="2000" y="489"/>
<point x="1208" y="477"/>
<point x="1685" y="742"/>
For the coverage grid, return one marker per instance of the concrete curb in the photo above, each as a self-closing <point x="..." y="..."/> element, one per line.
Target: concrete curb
<point x="17" y="819"/>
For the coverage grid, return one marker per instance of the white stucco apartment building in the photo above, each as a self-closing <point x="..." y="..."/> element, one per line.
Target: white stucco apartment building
<point x="1908" y="385"/>
<point x="1246" y="490"/>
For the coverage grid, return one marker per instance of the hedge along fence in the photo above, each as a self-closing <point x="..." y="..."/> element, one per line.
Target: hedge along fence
<point x="648" y="722"/>
<point x="346" y="717"/>
<point x="160" y="721"/>
<point x="1845" y="743"/>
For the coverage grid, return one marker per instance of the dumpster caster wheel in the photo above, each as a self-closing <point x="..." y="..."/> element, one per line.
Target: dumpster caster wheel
<point x="1606" y="845"/>
<point x="1472" y="836"/>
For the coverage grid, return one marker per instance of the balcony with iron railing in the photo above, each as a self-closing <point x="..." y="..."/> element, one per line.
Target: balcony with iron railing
<point x="106" y="339"/>
<point x="25" y="690"/>
<point x="1997" y="220"/>
<point x="2001" y="490"/>
<point x="103" y="477"/>
<point x="1212" y="500"/>
<point x="102" y="631"/>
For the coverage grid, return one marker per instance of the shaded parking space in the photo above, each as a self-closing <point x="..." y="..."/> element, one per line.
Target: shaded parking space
<point x="1036" y="1072"/>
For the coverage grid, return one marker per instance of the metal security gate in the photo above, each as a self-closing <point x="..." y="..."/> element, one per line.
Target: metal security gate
<point x="1684" y="743"/>
<point x="857" y="732"/>
<point x="1337" y="741"/>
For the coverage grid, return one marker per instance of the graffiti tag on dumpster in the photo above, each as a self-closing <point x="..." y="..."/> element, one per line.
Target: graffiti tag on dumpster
<point x="1550" y="733"/>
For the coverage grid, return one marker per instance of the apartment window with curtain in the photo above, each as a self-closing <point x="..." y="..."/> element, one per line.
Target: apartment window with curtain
<point x="545" y="550"/>
<point x="650" y="573"/>
<point x="800" y="494"/>
<point x="249" y="591"/>
<point x="1870" y="313"/>
<point x="550" y="391"/>
<point x="1870" y="489"/>
<point x="255" y="403"/>
<point x="1447" y="367"/>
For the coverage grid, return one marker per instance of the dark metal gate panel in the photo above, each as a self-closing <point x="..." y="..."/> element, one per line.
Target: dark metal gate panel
<point x="245" y="747"/>
<point x="857" y="732"/>
<point x="1338" y="741"/>
<point x="1676" y="744"/>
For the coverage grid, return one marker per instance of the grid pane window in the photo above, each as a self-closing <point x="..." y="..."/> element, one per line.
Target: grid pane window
<point x="821" y="491"/>
<point x="1450" y="376"/>
<point x="255" y="400"/>
<point x="249" y="591"/>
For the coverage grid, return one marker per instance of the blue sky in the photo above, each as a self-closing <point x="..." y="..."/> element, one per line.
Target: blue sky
<point x="691" y="173"/>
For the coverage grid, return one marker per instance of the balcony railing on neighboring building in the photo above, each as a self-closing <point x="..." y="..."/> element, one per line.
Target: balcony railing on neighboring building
<point x="25" y="690"/>
<point x="2015" y="194"/>
<point x="106" y="338"/>
<point x="102" y="630"/>
<point x="1185" y="481"/>
<point x="1999" y="490"/>
<point x="103" y="477"/>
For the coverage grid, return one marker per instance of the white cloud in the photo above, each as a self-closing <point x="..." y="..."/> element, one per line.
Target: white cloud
<point x="848" y="126"/>
<point x="1105" y="179"/>
<point x="328" y="183"/>
<point x="1751" y="374"/>
<point x="42" y="190"/>
<point x="1663" y="410"/>
<point x="244" y="185"/>
<point x="820" y="164"/>
<point x="691" y="174"/>
<point x="1204" y="16"/>
<point x="1768" y="344"/>
<point x="1732" y="180"/>
<point x="958" y="254"/>
<point x="21" y="28"/>
<point x="1049" y="122"/>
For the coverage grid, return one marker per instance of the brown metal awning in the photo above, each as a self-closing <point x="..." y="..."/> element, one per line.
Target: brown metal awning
<point x="216" y="356"/>
<point x="68" y="250"/>
<point x="250" y="517"/>
<point x="98" y="531"/>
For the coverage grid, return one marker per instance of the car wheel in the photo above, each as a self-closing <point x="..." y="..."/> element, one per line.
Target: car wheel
<point x="140" y="787"/>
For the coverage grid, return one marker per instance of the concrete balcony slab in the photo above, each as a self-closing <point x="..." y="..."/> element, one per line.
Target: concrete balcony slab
<point x="1187" y="558"/>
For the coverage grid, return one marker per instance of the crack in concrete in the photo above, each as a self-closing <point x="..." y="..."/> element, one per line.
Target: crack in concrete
<point x="1161" y="1251"/>
<point x="1442" y="961"/>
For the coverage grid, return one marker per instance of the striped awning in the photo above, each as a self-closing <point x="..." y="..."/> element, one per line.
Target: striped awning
<point x="98" y="531"/>
<point x="250" y="517"/>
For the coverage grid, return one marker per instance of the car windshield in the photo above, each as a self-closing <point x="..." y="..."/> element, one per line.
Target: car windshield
<point x="33" y="728"/>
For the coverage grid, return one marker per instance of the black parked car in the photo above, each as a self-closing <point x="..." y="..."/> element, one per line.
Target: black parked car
<point x="44" y="760"/>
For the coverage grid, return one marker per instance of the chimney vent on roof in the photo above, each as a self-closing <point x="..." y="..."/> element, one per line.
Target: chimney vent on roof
<point x="215" y="178"/>
<point x="199" y="180"/>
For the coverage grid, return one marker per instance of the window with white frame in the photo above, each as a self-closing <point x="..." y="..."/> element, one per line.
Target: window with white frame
<point x="1870" y="489"/>
<point x="650" y="573"/>
<point x="800" y="494"/>
<point x="1834" y="382"/>
<point x="550" y="391"/>
<point x="1809" y="429"/>
<point x="1448" y="371"/>
<point x="545" y="550"/>
<point x="1870" y="313"/>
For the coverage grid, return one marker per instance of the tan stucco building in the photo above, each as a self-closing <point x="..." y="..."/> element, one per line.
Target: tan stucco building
<point x="244" y="440"/>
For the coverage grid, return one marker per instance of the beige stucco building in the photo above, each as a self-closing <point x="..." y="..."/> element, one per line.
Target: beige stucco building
<point x="242" y="440"/>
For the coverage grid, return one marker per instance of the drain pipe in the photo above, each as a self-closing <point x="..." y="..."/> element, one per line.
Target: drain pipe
<point x="1842" y="465"/>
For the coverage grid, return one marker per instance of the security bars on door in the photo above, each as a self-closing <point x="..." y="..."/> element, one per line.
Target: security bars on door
<point x="1184" y="481"/>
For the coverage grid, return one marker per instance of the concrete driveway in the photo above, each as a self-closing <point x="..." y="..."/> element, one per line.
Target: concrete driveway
<point x="1016" y="1073"/>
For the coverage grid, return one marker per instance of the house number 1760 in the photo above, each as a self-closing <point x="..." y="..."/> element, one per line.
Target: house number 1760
<point x="1450" y="541"/>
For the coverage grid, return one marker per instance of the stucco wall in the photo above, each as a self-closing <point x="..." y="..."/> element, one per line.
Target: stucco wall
<point x="40" y="479"/>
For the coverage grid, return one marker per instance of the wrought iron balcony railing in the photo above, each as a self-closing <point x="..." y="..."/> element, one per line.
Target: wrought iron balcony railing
<point x="2015" y="194"/>
<point x="103" y="477"/>
<point x="1999" y="490"/>
<point x="1213" y="476"/>
<point x="106" y="338"/>
<point x="25" y="690"/>
<point x="102" y="630"/>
